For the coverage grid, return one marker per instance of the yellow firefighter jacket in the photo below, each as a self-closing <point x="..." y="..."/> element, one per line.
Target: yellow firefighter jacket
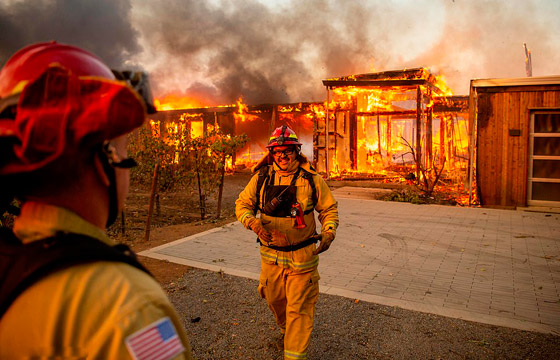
<point x="282" y="228"/>
<point x="84" y="311"/>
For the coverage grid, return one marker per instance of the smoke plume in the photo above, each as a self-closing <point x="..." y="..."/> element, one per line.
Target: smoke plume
<point x="219" y="50"/>
<point x="102" y="26"/>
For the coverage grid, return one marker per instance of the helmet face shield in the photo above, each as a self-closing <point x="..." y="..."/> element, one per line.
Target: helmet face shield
<point x="138" y="81"/>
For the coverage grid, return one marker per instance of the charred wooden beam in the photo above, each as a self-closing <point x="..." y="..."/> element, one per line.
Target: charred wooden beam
<point x="353" y="140"/>
<point x="381" y="83"/>
<point x="419" y="116"/>
<point x="397" y="78"/>
<point x="429" y="142"/>
<point x="451" y="104"/>
<point x="414" y="73"/>
<point x="388" y="112"/>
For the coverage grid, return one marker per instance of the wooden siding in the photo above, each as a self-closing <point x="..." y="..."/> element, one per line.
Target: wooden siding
<point x="502" y="161"/>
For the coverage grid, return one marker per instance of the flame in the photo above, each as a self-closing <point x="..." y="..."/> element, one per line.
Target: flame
<point x="386" y="132"/>
<point x="243" y="114"/>
<point x="197" y="129"/>
<point x="286" y="108"/>
<point x="242" y="110"/>
<point x="229" y="164"/>
<point x="442" y="84"/>
<point x="178" y="102"/>
<point x="335" y="168"/>
<point x="382" y="139"/>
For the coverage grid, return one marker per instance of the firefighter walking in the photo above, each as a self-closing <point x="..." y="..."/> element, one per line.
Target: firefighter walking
<point x="286" y="191"/>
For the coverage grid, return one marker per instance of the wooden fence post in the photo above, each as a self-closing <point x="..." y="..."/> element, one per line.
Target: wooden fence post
<point x="221" y="188"/>
<point x="152" y="196"/>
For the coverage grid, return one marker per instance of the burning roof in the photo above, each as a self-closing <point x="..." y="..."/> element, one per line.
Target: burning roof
<point x="395" y="78"/>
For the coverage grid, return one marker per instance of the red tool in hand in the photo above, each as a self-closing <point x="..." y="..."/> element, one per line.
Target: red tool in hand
<point x="297" y="214"/>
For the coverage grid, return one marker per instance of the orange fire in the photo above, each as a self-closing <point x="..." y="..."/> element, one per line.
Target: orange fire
<point x="442" y="84"/>
<point x="382" y="136"/>
<point x="243" y="114"/>
<point x="386" y="135"/>
<point x="178" y="102"/>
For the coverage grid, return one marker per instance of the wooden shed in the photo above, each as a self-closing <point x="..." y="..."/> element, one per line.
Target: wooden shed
<point x="517" y="123"/>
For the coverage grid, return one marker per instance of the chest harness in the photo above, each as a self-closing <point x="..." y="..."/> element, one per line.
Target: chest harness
<point x="281" y="201"/>
<point x="286" y="193"/>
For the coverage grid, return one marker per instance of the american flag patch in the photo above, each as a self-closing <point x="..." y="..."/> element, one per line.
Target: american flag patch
<point x="157" y="341"/>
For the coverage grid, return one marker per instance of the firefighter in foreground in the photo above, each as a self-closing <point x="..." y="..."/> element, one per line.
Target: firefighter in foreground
<point x="64" y="116"/>
<point x="286" y="190"/>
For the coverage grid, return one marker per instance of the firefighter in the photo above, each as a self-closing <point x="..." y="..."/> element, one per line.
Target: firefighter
<point x="64" y="118"/>
<point x="286" y="190"/>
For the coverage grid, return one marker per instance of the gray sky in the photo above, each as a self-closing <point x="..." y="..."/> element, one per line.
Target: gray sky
<point x="280" y="50"/>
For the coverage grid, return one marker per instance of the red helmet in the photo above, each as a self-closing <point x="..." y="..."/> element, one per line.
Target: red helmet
<point x="282" y="136"/>
<point x="56" y="97"/>
<point x="31" y="61"/>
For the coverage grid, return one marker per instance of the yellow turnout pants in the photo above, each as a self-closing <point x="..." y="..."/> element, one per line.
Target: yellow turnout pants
<point x="291" y="295"/>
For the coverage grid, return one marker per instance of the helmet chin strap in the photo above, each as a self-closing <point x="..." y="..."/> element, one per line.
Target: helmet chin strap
<point x="113" y="201"/>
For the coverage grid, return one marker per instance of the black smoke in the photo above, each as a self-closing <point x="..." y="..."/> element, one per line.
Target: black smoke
<point x="219" y="50"/>
<point x="100" y="26"/>
<point x="244" y="48"/>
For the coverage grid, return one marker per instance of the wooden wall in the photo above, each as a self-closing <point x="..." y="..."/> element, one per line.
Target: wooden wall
<point x="503" y="125"/>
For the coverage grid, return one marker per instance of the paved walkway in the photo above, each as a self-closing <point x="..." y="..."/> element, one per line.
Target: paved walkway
<point x="499" y="267"/>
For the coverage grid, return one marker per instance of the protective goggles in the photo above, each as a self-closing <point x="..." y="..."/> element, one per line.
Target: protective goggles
<point x="286" y="152"/>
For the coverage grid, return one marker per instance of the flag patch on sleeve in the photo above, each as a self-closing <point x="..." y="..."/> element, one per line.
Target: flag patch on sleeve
<point x="157" y="341"/>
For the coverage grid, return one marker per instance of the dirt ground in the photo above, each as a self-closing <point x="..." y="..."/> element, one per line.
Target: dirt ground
<point x="225" y="318"/>
<point x="176" y="217"/>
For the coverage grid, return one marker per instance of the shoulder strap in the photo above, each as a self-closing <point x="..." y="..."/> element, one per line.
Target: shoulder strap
<point x="21" y="265"/>
<point x="295" y="177"/>
<point x="309" y="177"/>
<point x="263" y="174"/>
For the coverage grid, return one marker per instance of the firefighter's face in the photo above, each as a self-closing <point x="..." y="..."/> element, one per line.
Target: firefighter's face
<point x="284" y="156"/>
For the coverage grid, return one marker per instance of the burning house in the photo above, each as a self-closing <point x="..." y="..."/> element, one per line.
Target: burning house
<point x="257" y="121"/>
<point x="383" y="124"/>
<point x="376" y="122"/>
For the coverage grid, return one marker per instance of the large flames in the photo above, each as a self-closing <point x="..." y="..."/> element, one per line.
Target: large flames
<point x="377" y="124"/>
<point x="176" y="102"/>
<point x="406" y="124"/>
